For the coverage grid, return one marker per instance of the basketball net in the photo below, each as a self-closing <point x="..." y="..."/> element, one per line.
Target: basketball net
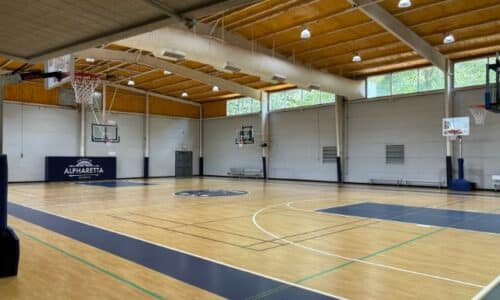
<point x="84" y="85"/>
<point x="479" y="114"/>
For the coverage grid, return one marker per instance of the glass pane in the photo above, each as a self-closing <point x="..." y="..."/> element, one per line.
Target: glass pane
<point x="405" y="82"/>
<point x="278" y="100"/>
<point x="472" y="72"/>
<point x="242" y="106"/>
<point x="379" y="86"/>
<point x="294" y="98"/>
<point x="430" y="78"/>
<point x="312" y="97"/>
<point x="327" y="97"/>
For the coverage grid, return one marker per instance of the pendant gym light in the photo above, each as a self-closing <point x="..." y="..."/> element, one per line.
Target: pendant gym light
<point x="449" y="38"/>
<point x="184" y="94"/>
<point x="404" y="3"/>
<point x="166" y="72"/>
<point x="131" y="82"/>
<point x="356" y="57"/>
<point x="215" y="89"/>
<point x="305" y="33"/>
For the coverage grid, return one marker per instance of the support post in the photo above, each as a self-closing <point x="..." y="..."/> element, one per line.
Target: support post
<point x="104" y="100"/>
<point x="147" y="126"/>
<point x="82" y="129"/>
<point x="200" y="166"/>
<point x="339" y="130"/>
<point x="9" y="243"/>
<point x="264" y="104"/>
<point x="448" y="112"/>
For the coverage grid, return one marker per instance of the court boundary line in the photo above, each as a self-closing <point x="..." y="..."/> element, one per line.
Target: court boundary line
<point x="326" y="253"/>
<point x="188" y="253"/>
<point x="485" y="291"/>
<point x="88" y="263"/>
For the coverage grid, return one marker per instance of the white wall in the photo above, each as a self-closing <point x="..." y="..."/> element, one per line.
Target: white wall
<point x="33" y="132"/>
<point x="297" y="138"/>
<point x="414" y="121"/>
<point x="169" y="135"/>
<point x="220" y="152"/>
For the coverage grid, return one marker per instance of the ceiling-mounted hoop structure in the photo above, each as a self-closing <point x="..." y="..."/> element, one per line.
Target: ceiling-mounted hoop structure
<point x="84" y="85"/>
<point x="479" y="114"/>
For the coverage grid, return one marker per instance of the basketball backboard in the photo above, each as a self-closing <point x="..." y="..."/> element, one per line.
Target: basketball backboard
<point x="458" y="126"/>
<point x="64" y="64"/>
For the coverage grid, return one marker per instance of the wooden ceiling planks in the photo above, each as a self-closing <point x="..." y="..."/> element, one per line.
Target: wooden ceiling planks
<point x="338" y="30"/>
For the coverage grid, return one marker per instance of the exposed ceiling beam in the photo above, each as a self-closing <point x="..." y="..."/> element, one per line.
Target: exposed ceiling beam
<point x="401" y="31"/>
<point x="219" y="54"/>
<point x="144" y="92"/>
<point x="172" y="67"/>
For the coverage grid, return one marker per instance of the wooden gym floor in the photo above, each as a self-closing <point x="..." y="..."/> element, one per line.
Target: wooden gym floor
<point x="271" y="243"/>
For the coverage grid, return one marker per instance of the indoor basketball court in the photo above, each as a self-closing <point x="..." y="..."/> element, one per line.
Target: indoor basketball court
<point x="246" y="149"/>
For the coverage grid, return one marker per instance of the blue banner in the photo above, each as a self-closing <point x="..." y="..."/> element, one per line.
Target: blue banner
<point x="74" y="168"/>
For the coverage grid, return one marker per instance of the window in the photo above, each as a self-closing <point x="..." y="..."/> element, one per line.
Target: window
<point x="405" y="82"/>
<point x="429" y="79"/>
<point x="394" y="154"/>
<point x="379" y="86"/>
<point x="298" y="98"/>
<point x="242" y="106"/>
<point x="472" y="72"/>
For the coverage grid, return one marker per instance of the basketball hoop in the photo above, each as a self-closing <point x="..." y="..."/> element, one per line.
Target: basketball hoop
<point x="84" y="85"/>
<point x="479" y="114"/>
<point x="454" y="133"/>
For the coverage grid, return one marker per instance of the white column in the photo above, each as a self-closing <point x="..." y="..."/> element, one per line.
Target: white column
<point x="339" y="131"/>
<point x="265" y="132"/>
<point x="147" y="126"/>
<point x="103" y="108"/>
<point x="83" y="123"/>
<point x="448" y="100"/>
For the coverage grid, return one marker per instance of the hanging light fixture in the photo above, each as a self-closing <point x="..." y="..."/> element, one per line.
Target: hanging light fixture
<point x="305" y="33"/>
<point x="404" y="3"/>
<point x="166" y="72"/>
<point x="184" y="95"/>
<point x="356" y="57"/>
<point x="131" y="82"/>
<point x="90" y="60"/>
<point x="449" y="38"/>
<point x="215" y="89"/>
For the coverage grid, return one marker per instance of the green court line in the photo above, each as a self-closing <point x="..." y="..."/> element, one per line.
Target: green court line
<point x="338" y="267"/>
<point x="93" y="266"/>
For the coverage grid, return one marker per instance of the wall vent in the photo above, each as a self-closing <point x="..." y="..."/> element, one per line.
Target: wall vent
<point x="394" y="154"/>
<point x="329" y="154"/>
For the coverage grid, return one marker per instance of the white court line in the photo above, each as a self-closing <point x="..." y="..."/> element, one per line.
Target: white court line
<point x="487" y="289"/>
<point x="185" y="252"/>
<point x="254" y="220"/>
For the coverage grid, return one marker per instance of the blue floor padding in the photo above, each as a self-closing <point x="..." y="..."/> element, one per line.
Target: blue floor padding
<point x="459" y="219"/>
<point x="223" y="280"/>
<point x="115" y="184"/>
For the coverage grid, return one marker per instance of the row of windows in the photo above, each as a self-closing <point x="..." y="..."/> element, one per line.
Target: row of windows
<point x="405" y="82"/>
<point x="279" y="100"/>
<point x="467" y="73"/>
<point x="299" y="97"/>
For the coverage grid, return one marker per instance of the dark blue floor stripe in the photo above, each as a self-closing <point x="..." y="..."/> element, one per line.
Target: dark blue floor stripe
<point x="114" y="184"/>
<point x="459" y="219"/>
<point x="217" y="278"/>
